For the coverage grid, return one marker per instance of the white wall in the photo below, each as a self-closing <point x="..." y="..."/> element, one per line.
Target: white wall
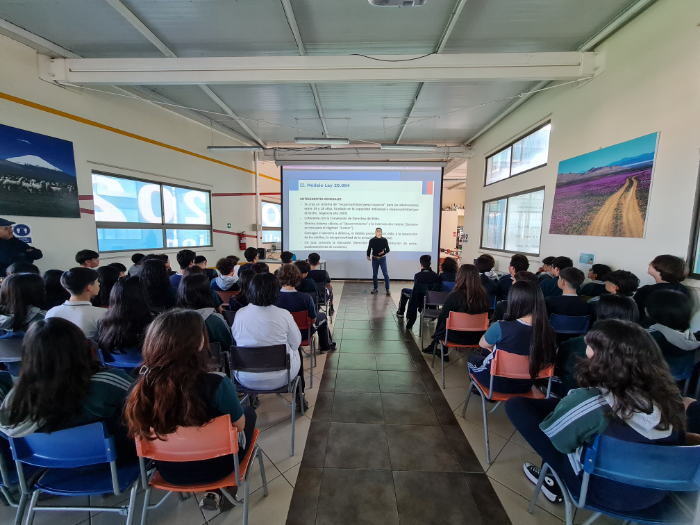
<point x="60" y="239"/>
<point x="452" y="196"/>
<point x="651" y="82"/>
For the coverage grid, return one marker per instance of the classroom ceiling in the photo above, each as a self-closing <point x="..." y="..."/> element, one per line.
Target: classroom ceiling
<point x="275" y="113"/>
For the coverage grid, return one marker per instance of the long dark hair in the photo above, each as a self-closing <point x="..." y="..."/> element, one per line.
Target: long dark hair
<point x="525" y="298"/>
<point x="194" y="292"/>
<point x="166" y="396"/>
<point x="244" y="278"/>
<point x="468" y="284"/>
<point x="129" y="314"/>
<point x="629" y="364"/>
<point x="264" y="290"/>
<point x="154" y="276"/>
<point x="20" y="291"/>
<point x="57" y="366"/>
<point x="56" y="294"/>
<point x="109" y="275"/>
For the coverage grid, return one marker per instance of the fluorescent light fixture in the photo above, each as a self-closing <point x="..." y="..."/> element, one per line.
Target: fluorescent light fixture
<point x="324" y="141"/>
<point x="409" y="147"/>
<point x="234" y="148"/>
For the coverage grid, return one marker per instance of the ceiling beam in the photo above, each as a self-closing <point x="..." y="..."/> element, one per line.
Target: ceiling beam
<point x="34" y="41"/>
<point x="369" y="154"/>
<point x="142" y="28"/>
<point x="438" y="49"/>
<point x="292" y="21"/>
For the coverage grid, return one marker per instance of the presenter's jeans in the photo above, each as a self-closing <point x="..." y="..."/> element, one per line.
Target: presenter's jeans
<point x="379" y="262"/>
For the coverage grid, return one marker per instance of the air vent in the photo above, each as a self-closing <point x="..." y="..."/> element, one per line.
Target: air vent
<point x="397" y="3"/>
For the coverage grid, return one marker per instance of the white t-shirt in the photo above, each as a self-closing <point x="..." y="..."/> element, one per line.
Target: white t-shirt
<point x="80" y="313"/>
<point x="267" y="326"/>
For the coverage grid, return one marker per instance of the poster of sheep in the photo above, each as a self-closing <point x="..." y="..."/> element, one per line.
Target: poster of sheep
<point x="37" y="175"/>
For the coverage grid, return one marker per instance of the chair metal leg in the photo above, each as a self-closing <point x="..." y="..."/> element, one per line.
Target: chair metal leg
<point x="486" y="429"/>
<point x="538" y="488"/>
<point x="294" y="401"/>
<point x="262" y="471"/>
<point x="466" y="401"/>
<point x="32" y="505"/>
<point x="132" y="504"/>
<point x="146" y="500"/>
<point x="432" y="364"/>
<point x="442" y="364"/>
<point x="246" y="499"/>
<point x="313" y="359"/>
<point x="595" y="516"/>
<point x="21" y="507"/>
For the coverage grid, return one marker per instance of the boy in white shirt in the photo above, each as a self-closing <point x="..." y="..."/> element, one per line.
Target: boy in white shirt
<point x="83" y="284"/>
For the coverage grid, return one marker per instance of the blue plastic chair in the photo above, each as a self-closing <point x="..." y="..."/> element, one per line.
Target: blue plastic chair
<point x="565" y="324"/>
<point x="89" y="469"/>
<point x="493" y="299"/>
<point x="448" y="286"/>
<point x="668" y="468"/>
<point x="127" y="361"/>
<point x="9" y="484"/>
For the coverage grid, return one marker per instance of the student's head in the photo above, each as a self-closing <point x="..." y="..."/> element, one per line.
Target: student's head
<point x="670" y="308"/>
<point x="617" y="307"/>
<point x="570" y="278"/>
<point x="598" y="272"/>
<point x="192" y="270"/>
<point x="185" y="258"/>
<point x="251" y="255"/>
<point x="120" y="267"/>
<point x="128" y="316"/>
<point x="468" y="283"/>
<point x="624" y="360"/>
<point x="81" y="281"/>
<point x="314" y="259"/>
<point x="518" y="263"/>
<point x="668" y="268"/>
<point x="200" y="261"/>
<point x="167" y="395"/>
<point x="547" y="263"/>
<point x="425" y="261"/>
<point x="621" y="282"/>
<point x="18" y="293"/>
<point x="234" y="260"/>
<point x="55" y="292"/>
<point x="263" y="290"/>
<point x="289" y="275"/>
<point x="57" y="367"/>
<point x="88" y="258"/>
<point x="525" y="276"/>
<point x="224" y="266"/>
<point x="137" y="258"/>
<point x="108" y="276"/>
<point x="485" y="263"/>
<point x="286" y="257"/>
<point x="260" y="267"/>
<point x="22" y="267"/>
<point x="154" y="276"/>
<point x="304" y="267"/>
<point x="378" y="232"/>
<point x="164" y="257"/>
<point x="244" y="278"/>
<point x="525" y="298"/>
<point x="559" y="263"/>
<point x="449" y="265"/>
<point x="194" y="292"/>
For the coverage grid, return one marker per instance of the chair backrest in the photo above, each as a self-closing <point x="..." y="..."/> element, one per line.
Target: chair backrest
<point x="212" y="440"/>
<point x="59" y="450"/>
<point x="321" y="290"/>
<point x="314" y="297"/>
<point x="435" y="298"/>
<point x="217" y="359"/>
<point x="461" y="322"/>
<point x="258" y="359"/>
<point x="226" y="295"/>
<point x="302" y="320"/>
<point x="565" y="324"/>
<point x="514" y="366"/>
<point x="448" y="286"/>
<point x="492" y="301"/>
<point x="229" y="316"/>
<point x="11" y="346"/>
<point x="125" y="361"/>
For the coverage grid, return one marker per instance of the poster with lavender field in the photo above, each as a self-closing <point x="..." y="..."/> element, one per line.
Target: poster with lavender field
<point x="605" y="193"/>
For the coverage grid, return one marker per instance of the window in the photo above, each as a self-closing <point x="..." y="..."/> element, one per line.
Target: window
<point x="694" y="244"/>
<point x="134" y="214"/>
<point x="271" y="222"/>
<point x="514" y="223"/>
<point x="518" y="157"/>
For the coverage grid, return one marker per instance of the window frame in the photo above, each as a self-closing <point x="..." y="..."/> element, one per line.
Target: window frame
<point x="505" y="225"/>
<point x="163" y="226"/>
<point x="510" y="146"/>
<point x="694" y="232"/>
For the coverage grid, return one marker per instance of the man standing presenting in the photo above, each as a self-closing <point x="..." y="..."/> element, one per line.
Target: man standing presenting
<point x="378" y="248"/>
<point x="12" y="249"/>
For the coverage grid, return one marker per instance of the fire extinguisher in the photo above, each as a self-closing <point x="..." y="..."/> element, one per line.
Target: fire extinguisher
<point x="242" y="241"/>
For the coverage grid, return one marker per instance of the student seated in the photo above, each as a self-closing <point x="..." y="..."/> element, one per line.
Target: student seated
<point x="620" y="282"/>
<point x="22" y="267"/>
<point x="185" y="259"/>
<point x="234" y="261"/>
<point x="251" y="255"/>
<point x="176" y="389"/>
<point x="598" y="276"/>
<point x="260" y="267"/>
<point x="108" y="277"/>
<point x="226" y="280"/>
<point x="289" y="278"/>
<point x="502" y="306"/>
<point x="545" y="271"/>
<point x="83" y="284"/>
<point x="194" y="293"/>
<point x="485" y="263"/>
<point x="550" y="287"/>
<point x="202" y="263"/>
<point x="261" y="323"/>
<point x="568" y="303"/>
<point x="156" y="285"/>
<point x="55" y="292"/>
<point x="285" y="258"/>
<point x="669" y="313"/>
<point x="135" y="269"/>
<point x="627" y="393"/>
<point x="448" y="270"/>
<point x="241" y="300"/>
<point x="124" y="326"/>
<point x="518" y="263"/>
<point x="88" y="258"/>
<point x="571" y="351"/>
<point x="61" y="386"/>
<point x="668" y="271"/>
<point x="525" y="331"/>
<point x="423" y="281"/>
<point x="320" y="276"/>
<point x="468" y="297"/>
<point x="306" y="285"/>
<point x="216" y="300"/>
<point x="120" y="267"/>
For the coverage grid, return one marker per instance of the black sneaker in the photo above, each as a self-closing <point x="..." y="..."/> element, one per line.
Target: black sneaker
<point x="388" y="293"/>
<point x="374" y="291"/>
<point x="399" y="315"/>
<point x="330" y="348"/>
<point x="550" y="487"/>
<point x="428" y="349"/>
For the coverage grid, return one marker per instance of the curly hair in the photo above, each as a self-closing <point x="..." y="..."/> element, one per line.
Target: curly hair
<point x="289" y="275"/>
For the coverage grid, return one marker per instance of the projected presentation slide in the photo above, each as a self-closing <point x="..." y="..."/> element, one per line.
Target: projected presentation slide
<point x="334" y="211"/>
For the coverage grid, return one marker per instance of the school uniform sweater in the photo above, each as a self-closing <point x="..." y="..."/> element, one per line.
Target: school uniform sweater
<point x="678" y="348"/>
<point x="594" y="289"/>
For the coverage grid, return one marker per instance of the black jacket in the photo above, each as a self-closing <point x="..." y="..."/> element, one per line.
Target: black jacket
<point x="14" y="250"/>
<point x="377" y="245"/>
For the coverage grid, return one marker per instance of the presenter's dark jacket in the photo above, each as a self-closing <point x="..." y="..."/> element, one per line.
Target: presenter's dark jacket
<point x="13" y="250"/>
<point x="377" y="245"/>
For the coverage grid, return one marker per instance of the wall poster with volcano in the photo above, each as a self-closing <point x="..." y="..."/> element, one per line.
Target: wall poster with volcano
<point x="605" y="193"/>
<point x="37" y="175"/>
